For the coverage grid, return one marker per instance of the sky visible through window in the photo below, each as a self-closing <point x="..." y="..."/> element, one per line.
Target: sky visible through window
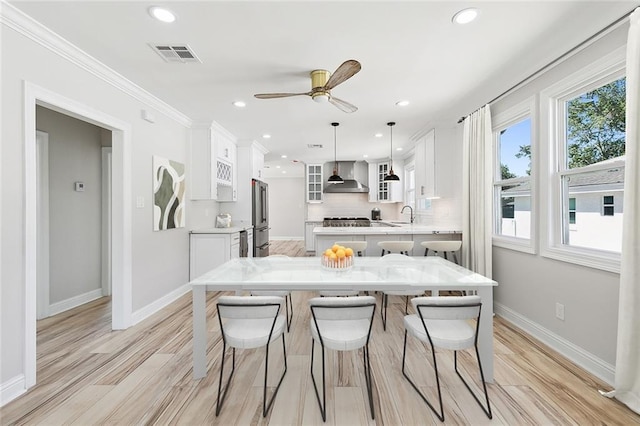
<point x="510" y="141"/>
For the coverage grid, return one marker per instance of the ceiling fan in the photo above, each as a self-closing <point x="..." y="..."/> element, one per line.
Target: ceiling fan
<point x="322" y="81"/>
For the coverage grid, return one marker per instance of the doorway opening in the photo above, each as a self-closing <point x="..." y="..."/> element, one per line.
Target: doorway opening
<point x="120" y="211"/>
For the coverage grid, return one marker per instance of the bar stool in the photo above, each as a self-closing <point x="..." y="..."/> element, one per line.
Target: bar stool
<point x="288" y="303"/>
<point x="442" y="246"/>
<point x="358" y="247"/>
<point x="401" y="247"/>
<point x="387" y="258"/>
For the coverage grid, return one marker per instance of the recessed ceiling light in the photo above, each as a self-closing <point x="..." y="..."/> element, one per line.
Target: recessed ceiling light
<point x="284" y="171"/>
<point x="277" y="167"/>
<point x="365" y="155"/>
<point x="283" y="156"/>
<point x="399" y="149"/>
<point x="239" y="104"/>
<point x="465" y="16"/>
<point x="378" y="135"/>
<point x="402" y="103"/>
<point x="266" y="136"/>
<point x="162" y="14"/>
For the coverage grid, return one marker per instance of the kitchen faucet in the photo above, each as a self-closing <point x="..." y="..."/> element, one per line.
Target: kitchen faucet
<point x="411" y="210"/>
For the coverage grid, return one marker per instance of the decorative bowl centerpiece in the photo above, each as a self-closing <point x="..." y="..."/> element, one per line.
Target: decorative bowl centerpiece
<point x="337" y="258"/>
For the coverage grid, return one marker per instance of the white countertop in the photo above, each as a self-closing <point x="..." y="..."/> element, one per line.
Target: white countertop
<point x="398" y="229"/>
<point x="237" y="227"/>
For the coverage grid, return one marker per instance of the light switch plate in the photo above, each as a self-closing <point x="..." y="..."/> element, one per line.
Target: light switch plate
<point x="140" y="202"/>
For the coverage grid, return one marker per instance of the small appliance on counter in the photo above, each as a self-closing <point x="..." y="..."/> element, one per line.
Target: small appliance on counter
<point x="223" y="220"/>
<point x="375" y="214"/>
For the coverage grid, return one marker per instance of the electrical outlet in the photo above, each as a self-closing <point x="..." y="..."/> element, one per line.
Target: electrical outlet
<point x="560" y="311"/>
<point x="140" y="202"/>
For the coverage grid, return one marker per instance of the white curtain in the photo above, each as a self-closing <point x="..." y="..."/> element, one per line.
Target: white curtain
<point x="477" y="188"/>
<point x="627" y="381"/>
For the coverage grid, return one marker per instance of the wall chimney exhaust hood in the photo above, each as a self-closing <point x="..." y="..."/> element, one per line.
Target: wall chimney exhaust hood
<point x="350" y="184"/>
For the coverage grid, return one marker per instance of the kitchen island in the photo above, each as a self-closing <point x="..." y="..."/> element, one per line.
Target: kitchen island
<point x="325" y="237"/>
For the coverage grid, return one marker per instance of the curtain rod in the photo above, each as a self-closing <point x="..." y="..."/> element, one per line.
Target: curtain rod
<point x="563" y="57"/>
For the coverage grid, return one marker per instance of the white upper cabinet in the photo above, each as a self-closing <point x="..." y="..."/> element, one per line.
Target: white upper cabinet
<point x="213" y="163"/>
<point x="381" y="191"/>
<point x="314" y="183"/>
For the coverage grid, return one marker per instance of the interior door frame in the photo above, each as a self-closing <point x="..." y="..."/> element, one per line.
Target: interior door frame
<point x="42" y="290"/>
<point x="121" y="211"/>
<point x="105" y="275"/>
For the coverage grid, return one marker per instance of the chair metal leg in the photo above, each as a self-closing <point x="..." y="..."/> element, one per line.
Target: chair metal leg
<point x="367" y="376"/>
<point x="288" y="308"/>
<point x="426" y="251"/>
<point x="323" y="404"/>
<point x="486" y="410"/>
<point x="455" y="258"/>
<point x="265" y="406"/>
<point x="221" y="399"/>
<point x="383" y="311"/>
<point x="435" y="365"/>
<point x="406" y="305"/>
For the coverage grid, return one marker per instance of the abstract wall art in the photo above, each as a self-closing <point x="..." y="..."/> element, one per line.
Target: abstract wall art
<point x="168" y="194"/>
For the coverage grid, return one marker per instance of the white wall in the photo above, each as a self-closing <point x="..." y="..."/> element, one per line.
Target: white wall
<point x="159" y="259"/>
<point x="286" y="207"/>
<point x="74" y="217"/>
<point x="530" y="285"/>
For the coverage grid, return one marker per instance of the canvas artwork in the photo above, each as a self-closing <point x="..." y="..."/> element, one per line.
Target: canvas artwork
<point x="168" y="194"/>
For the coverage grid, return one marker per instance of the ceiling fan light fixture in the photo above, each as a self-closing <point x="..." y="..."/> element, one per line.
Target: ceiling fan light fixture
<point x="320" y="97"/>
<point x="335" y="178"/>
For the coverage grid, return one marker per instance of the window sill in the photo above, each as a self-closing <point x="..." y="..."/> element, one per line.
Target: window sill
<point x="517" y="244"/>
<point x="606" y="261"/>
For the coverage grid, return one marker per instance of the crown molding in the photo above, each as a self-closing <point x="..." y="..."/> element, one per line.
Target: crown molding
<point x="35" y="31"/>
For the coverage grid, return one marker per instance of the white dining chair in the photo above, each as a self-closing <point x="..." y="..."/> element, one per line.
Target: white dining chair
<point x="443" y="247"/>
<point x="288" y="305"/>
<point x="405" y="293"/>
<point x="442" y="322"/>
<point x="249" y="322"/>
<point x="342" y="324"/>
<point x="402" y="247"/>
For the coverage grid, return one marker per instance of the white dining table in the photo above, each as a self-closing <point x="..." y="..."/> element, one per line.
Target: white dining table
<point x="367" y="273"/>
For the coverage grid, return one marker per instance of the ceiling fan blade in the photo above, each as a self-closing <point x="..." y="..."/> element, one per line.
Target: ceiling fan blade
<point x="342" y="105"/>
<point x="344" y="72"/>
<point x="279" y="95"/>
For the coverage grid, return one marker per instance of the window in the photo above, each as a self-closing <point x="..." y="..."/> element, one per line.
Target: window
<point x="410" y="186"/>
<point x="607" y="205"/>
<point x="572" y="211"/>
<point x="513" y="215"/>
<point x="583" y="164"/>
<point x="594" y="141"/>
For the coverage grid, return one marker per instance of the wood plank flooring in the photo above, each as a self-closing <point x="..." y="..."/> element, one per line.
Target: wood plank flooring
<point x="88" y="374"/>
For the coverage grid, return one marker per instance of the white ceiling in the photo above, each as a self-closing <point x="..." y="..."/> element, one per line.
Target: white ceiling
<point x="408" y="51"/>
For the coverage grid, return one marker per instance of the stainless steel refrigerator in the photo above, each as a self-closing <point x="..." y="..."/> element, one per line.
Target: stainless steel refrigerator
<point x="260" y="218"/>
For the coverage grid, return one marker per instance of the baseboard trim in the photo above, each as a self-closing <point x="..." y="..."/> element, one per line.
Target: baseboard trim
<point x="287" y="238"/>
<point x="594" y="365"/>
<point x="11" y="389"/>
<point x="153" y="307"/>
<point x="75" y="301"/>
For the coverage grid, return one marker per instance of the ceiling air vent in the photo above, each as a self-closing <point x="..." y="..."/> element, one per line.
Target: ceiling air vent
<point x="181" y="53"/>
<point x="314" y="145"/>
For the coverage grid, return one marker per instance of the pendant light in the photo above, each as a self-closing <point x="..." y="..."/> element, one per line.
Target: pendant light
<point x="335" y="178"/>
<point x="391" y="177"/>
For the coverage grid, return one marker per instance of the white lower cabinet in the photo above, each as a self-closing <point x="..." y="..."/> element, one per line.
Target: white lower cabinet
<point x="309" y="242"/>
<point x="208" y="251"/>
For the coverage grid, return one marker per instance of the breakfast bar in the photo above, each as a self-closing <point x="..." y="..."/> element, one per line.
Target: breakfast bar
<point x="367" y="274"/>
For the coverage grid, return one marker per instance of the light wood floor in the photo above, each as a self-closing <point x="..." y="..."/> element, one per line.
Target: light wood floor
<point x="88" y="374"/>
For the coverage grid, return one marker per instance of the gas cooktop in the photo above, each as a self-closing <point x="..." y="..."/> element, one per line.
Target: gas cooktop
<point x="346" y="221"/>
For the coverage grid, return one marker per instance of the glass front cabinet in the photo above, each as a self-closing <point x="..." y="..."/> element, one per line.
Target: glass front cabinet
<point x="314" y="183"/>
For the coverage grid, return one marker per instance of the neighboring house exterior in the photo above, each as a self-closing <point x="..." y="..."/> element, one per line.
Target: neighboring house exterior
<point x="594" y="207"/>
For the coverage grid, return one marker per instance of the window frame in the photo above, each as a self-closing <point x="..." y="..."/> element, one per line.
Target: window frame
<point x="514" y="115"/>
<point x="553" y="125"/>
